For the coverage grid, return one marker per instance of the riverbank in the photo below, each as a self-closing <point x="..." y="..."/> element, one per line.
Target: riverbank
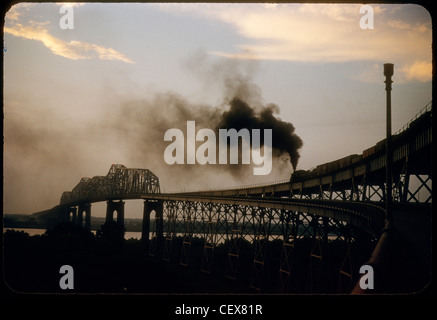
<point x="32" y="266"/>
<point x="39" y="231"/>
<point x="25" y="221"/>
<point x="108" y="264"/>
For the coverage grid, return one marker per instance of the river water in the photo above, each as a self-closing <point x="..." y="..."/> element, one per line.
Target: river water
<point x="33" y="232"/>
<point x="127" y="235"/>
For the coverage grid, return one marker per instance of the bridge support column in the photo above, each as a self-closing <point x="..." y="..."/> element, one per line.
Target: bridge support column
<point x="160" y="220"/>
<point x="114" y="231"/>
<point x="79" y="217"/>
<point x="145" y="229"/>
<point x="115" y="206"/>
<point x="156" y="243"/>
<point x="85" y="207"/>
<point x="64" y="215"/>
<point x="71" y="214"/>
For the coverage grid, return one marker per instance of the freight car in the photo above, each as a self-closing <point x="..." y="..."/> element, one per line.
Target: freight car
<point x="326" y="168"/>
<point x="422" y="119"/>
<point x="374" y="150"/>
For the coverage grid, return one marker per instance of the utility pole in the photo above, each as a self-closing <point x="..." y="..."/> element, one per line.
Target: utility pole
<point x="388" y="73"/>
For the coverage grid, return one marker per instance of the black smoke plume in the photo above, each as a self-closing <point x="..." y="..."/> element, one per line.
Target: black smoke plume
<point x="284" y="140"/>
<point x="241" y="105"/>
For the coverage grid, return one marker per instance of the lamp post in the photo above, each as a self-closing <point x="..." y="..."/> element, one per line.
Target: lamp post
<point x="388" y="73"/>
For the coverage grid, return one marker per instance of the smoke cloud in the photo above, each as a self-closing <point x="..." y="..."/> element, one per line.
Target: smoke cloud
<point x="46" y="152"/>
<point x="241" y="115"/>
<point x="145" y="122"/>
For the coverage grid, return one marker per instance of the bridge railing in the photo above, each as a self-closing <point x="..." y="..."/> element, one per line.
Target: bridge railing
<point x="425" y="109"/>
<point x="240" y="187"/>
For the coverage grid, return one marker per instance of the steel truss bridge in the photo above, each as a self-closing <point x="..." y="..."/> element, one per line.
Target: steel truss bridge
<point x="340" y="202"/>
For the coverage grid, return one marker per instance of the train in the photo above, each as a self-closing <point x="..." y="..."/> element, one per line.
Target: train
<point x="423" y="119"/>
<point x="340" y="164"/>
<point x="326" y="168"/>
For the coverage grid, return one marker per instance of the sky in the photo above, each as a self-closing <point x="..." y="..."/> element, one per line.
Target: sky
<point x="100" y="83"/>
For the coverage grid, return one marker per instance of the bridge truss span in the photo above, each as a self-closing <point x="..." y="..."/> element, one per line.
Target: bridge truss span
<point x="249" y="226"/>
<point x="367" y="216"/>
<point x="119" y="183"/>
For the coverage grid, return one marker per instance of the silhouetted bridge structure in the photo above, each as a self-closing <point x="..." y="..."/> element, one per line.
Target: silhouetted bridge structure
<point x="338" y="202"/>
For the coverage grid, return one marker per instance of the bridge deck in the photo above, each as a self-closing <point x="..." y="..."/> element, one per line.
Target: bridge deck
<point x="366" y="216"/>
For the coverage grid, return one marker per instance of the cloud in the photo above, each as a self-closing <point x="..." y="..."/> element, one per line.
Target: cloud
<point x="326" y="33"/>
<point x="74" y="49"/>
<point x="419" y="70"/>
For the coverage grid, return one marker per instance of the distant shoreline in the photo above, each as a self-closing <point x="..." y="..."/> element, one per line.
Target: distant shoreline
<point x="29" y="222"/>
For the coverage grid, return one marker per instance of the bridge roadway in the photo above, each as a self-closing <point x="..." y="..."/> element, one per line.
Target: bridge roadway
<point x="368" y="217"/>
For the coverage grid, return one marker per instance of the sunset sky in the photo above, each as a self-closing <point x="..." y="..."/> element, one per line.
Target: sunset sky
<point x="77" y="100"/>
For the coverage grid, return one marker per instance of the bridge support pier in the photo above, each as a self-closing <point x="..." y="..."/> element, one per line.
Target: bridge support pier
<point x="145" y="229"/>
<point x="150" y="206"/>
<point x="114" y="231"/>
<point x="84" y="207"/>
<point x="155" y="243"/>
<point x="71" y="215"/>
<point x="119" y="208"/>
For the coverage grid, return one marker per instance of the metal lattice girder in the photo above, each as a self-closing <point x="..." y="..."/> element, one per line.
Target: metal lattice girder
<point x="359" y="214"/>
<point x="376" y="193"/>
<point x="425" y="184"/>
<point x="233" y="255"/>
<point x="346" y="271"/>
<point x="126" y="181"/>
<point x="238" y="222"/>
<point x="261" y="223"/>
<point x="210" y="226"/>
<point x="318" y="236"/>
<point x="209" y="223"/>
<point x="98" y="186"/>
<point x="321" y="228"/>
<point x="188" y="216"/>
<point x="207" y="259"/>
<point x="296" y="226"/>
<point x="303" y="224"/>
<point x="208" y="249"/>
<point x="169" y="224"/>
<point x="258" y="224"/>
<point x="285" y="265"/>
<point x="223" y="225"/>
<point x="119" y="183"/>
